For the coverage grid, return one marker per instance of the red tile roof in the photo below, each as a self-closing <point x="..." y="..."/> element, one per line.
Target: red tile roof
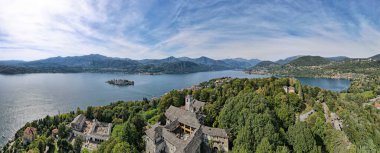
<point x="30" y="131"/>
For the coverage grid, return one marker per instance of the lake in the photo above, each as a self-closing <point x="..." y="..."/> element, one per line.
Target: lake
<point x="28" y="97"/>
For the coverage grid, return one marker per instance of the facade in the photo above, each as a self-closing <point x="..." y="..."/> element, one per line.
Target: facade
<point x="54" y="133"/>
<point x="376" y="105"/>
<point x="90" y="130"/>
<point x="30" y="133"/>
<point x="289" y="89"/>
<point x="193" y="105"/>
<point x="184" y="133"/>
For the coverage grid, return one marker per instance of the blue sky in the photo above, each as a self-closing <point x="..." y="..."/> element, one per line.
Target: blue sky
<point x="137" y="29"/>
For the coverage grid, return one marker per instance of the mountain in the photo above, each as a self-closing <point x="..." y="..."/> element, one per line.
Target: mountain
<point x="237" y="63"/>
<point x="309" y="61"/>
<point x="11" y="62"/>
<point x="376" y="57"/>
<point x="338" y="58"/>
<point x="241" y="63"/>
<point x="288" y="60"/>
<point x="266" y="64"/>
<point x="100" y="63"/>
<point x="86" y="61"/>
<point x="183" y="67"/>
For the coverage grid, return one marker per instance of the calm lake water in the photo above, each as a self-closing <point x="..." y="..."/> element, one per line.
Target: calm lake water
<point x="28" y="97"/>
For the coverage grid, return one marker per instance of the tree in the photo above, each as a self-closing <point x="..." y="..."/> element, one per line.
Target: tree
<point x="301" y="137"/>
<point x="78" y="145"/>
<point x="264" y="146"/>
<point x="282" y="149"/>
<point x="64" y="146"/>
<point x="123" y="147"/>
<point x="90" y="112"/>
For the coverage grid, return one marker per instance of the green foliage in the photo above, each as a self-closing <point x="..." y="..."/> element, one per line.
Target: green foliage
<point x="264" y="146"/>
<point x="78" y="145"/>
<point x="301" y="138"/>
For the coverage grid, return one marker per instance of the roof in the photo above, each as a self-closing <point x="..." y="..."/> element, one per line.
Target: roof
<point x="151" y="131"/>
<point x="377" y="105"/>
<point x="172" y="125"/>
<point x="54" y="131"/>
<point x="216" y="132"/>
<point x="30" y="131"/>
<point x="78" y="119"/>
<point x="183" y="116"/>
<point x="198" y="104"/>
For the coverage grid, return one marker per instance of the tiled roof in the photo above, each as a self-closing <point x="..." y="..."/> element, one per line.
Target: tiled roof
<point x="78" y="119"/>
<point x="198" y="104"/>
<point x="216" y="132"/>
<point x="183" y="116"/>
<point x="30" y="131"/>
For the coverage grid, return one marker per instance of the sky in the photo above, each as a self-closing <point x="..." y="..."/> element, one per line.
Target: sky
<point x="139" y="29"/>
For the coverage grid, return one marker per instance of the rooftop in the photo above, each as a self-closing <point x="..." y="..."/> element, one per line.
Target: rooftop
<point x="183" y="116"/>
<point x="30" y="131"/>
<point x="215" y="132"/>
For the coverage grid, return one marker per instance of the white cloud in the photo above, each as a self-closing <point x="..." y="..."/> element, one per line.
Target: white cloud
<point x="35" y="29"/>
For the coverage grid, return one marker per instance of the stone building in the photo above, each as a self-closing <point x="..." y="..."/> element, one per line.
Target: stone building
<point x="184" y="133"/>
<point x="193" y="105"/>
<point x="30" y="133"/>
<point x="90" y="130"/>
<point x="289" y="89"/>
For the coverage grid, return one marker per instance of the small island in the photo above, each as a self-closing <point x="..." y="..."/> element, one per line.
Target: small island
<point x="121" y="82"/>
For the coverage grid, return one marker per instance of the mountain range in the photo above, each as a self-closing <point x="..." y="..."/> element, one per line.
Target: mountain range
<point x="100" y="63"/>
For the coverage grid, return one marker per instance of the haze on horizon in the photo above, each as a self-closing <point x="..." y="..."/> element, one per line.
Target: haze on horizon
<point x="139" y="29"/>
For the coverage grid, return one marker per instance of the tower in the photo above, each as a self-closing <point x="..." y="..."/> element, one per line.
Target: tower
<point x="188" y="102"/>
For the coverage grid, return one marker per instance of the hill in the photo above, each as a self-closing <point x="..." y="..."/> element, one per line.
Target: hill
<point x="338" y="58"/>
<point x="288" y="60"/>
<point x="266" y="64"/>
<point x="309" y="61"/>
<point x="376" y="57"/>
<point x="100" y="63"/>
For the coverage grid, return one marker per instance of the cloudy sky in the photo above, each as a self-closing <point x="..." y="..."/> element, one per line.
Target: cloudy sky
<point x="36" y="29"/>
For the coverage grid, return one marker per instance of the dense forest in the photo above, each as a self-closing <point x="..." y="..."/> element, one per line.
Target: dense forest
<point x="259" y="114"/>
<point x="315" y="66"/>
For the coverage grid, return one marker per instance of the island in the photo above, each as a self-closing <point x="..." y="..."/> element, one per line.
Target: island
<point x="121" y="82"/>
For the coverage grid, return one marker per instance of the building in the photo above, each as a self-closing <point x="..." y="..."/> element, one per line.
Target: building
<point x="289" y="89"/>
<point x="54" y="133"/>
<point x="193" y="105"/>
<point x="184" y="133"/>
<point x="218" y="138"/>
<point x="376" y="105"/>
<point x="78" y="122"/>
<point x="30" y="133"/>
<point x="90" y="130"/>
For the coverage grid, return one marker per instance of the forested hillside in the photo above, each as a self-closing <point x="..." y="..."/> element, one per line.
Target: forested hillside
<point x="259" y="114"/>
<point x="310" y="66"/>
<point x="100" y="63"/>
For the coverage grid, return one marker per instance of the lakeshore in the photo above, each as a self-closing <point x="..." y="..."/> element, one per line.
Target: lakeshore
<point x="29" y="97"/>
